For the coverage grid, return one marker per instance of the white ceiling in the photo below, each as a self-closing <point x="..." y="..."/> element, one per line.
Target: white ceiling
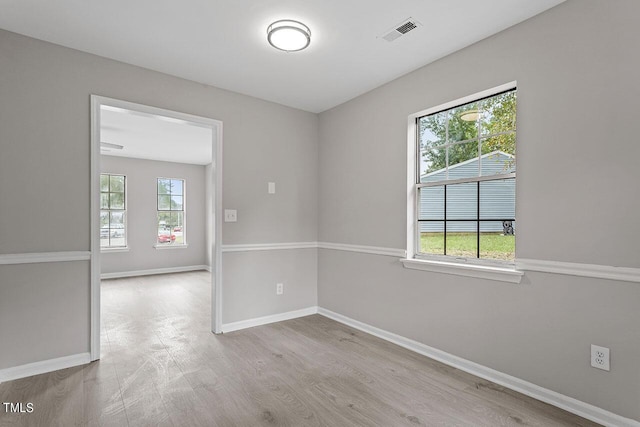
<point x="223" y="42"/>
<point x="153" y="137"/>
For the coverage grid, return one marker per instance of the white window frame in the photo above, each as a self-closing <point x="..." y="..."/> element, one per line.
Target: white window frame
<point x="172" y="245"/>
<point x="470" y="267"/>
<point x="124" y="248"/>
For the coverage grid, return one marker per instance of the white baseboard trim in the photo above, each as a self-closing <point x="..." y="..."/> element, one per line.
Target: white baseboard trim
<point x="250" y="323"/>
<point x="43" y="367"/>
<point x="269" y="246"/>
<point x="376" y="250"/>
<point x="567" y="403"/>
<point x="39" y="257"/>
<point x="135" y="273"/>
<point x="577" y="269"/>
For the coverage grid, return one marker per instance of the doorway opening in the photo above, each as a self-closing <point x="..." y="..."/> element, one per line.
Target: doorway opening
<point x="139" y="152"/>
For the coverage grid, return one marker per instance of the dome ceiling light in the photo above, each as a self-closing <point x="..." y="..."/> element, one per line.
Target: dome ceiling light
<point x="470" y="115"/>
<point x="288" y="35"/>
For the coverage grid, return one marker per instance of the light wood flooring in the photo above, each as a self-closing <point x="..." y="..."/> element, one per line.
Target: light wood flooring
<point x="161" y="366"/>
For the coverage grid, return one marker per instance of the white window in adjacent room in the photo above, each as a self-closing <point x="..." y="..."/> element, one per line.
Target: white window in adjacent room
<point x="171" y="212"/>
<point x="465" y="181"/>
<point x="113" y="230"/>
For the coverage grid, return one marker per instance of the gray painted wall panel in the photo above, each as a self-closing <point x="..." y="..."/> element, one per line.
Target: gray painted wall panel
<point x="46" y="331"/>
<point x="540" y="330"/>
<point x="252" y="278"/>
<point x="576" y="67"/>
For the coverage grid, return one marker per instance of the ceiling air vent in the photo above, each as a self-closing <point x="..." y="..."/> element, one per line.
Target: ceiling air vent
<point x="400" y="29"/>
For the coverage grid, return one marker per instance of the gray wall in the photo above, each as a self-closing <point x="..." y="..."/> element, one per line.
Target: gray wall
<point x="576" y="67"/>
<point x="295" y="269"/>
<point x="55" y="298"/>
<point x="44" y="145"/>
<point x="142" y="226"/>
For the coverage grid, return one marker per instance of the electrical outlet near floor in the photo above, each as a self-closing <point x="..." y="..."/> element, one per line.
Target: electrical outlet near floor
<point x="279" y="288"/>
<point x="600" y="357"/>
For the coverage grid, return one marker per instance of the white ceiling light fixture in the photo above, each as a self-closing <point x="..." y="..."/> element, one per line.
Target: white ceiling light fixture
<point x="470" y="115"/>
<point x="288" y="35"/>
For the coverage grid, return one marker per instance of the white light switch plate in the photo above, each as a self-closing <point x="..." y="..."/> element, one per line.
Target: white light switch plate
<point x="230" y="215"/>
<point x="272" y="188"/>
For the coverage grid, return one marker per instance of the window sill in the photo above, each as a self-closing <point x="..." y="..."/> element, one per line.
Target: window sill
<point x="109" y="250"/>
<point x="503" y="274"/>
<point x="185" y="246"/>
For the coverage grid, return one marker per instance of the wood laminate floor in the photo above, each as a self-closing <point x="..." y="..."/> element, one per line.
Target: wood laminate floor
<point x="161" y="366"/>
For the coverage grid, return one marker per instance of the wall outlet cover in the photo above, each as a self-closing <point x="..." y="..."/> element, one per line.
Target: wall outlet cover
<point x="600" y="357"/>
<point x="230" y="215"/>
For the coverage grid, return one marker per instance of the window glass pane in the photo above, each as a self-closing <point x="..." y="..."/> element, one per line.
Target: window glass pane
<point x="170" y="223"/>
<point x="104" y="228"/>
<point x="104" y="237"/>
<point x="177" y="225"/>
<point x="112" y="223"/>
<point x="431" y="203"/>
<point x="164" y="186"/>
<point x="432" y="130"/>
<point x="433" y="165"/>
<point x="462" y="202"/>
<point x="462" y="239"/>
<point x="164" y="228"/>
<point x="175" y="220"/>
<point x="499" y="113"/>
<point x="463" y="160"/>
<point x="104" y="219"/>
<point x="499" y="154"/>
<point x="164" y="219"/>
<point x="104" y="200"/>
<point x="164" y="202"/>
<point x="117" y="219"/>
<point x="165" y="236"/>
<point x="117" y="229"/>
<point x="498" y="240"/>
<point x="116" y="200"/>
<point x="176" y="203"/>
<point x="104" y="182"/>
<point x="463" y="122"/>
<point x="117" y="183"/>
<point x="498" y="199"/>
<point x="432" y="237"/>
<point x="176" y="187"/>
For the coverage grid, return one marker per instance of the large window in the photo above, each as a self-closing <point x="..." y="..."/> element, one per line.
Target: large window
<point x="466" y="180"/>
<point x="113" y="230"/>
<point x="171" y="210"/>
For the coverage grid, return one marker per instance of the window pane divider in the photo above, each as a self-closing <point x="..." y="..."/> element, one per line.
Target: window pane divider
<point x="474" y="139"/>
<point x="468" y="220"/>
<point x="445" y="219"/>
<point x="465" y="180"/>
<point x="478" y="223"/>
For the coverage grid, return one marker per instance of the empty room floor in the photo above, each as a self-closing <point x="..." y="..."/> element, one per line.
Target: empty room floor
<point x="161" y="366"/>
